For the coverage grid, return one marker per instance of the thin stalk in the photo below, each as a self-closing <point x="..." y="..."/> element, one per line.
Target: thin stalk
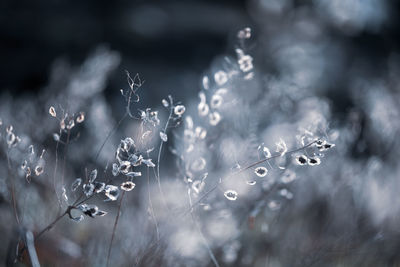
<point x="114" y="229"/>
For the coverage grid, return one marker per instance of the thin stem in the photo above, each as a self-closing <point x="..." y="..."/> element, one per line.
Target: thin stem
<point x="48" y="227"/>
<point x="55" y="173"/>
<point x="109" y="135"/>
<point x="198" y="228"/>
<point x="65" y="157"/>
<point x="13" y="197"/>
<point x="151" y="203"/>
<point x="159" y="153"/>
<point x="114" y="229"/>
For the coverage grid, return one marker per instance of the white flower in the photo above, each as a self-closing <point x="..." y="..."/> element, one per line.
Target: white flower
<point x="231" y="194"/>
<point x="261" y="171"/>
<point x="179" y="110"/>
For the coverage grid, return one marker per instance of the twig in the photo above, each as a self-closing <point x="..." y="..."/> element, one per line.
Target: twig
<point x="160" y="150"/>
<point x="212" y="256"/>
<point x="114" y="229"/>
<point x="198" y="201"/>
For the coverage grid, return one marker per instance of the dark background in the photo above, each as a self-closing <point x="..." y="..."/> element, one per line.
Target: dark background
<point x="161" y="40"/>
<point x="170" y="43"/>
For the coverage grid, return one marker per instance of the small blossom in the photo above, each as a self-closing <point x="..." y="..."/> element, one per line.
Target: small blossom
<point x="99" y="187"/>
<point x="88" y="189"/>
<point x="52" y="112"/>
<point x="251" y="182"/>
<point x="314" y="161"/>
<point x="135" y="160"/>
<point x="261" y="171"/>
<point x="127" y="186"/>
<point x="56" y="137"/>
<point x="220" y="77"/>
<point x="200" y="132"/>
<point x="81" y="117"/>
<point x="163" y="137"/>
<point x="288" y="176"/>
<point x="112" y="192"/>
<point x="215" y="118"/>
<point x="93" y="176"/>
<point x="71" y="124"/>
<point x="64" y="195"/>
<point x="231" y="195"/>
<point x="198" y="186"/>
<point x="165" y="103"/>
<point x="179" y="110"/>
<point x="199" y="164"/>
<point x="244" y="34"/>
<point x="38" y="170"/>
<point x="301" y="160"/>
<point x="206" y="83"/>
<point x="24" y="164"/>
<point x="134" y="174"/>
<point x="124" y="167"/>
<point x="216" y="101"/>
<point x="89" y="210"/>
<point x="281" y="147"/>
<point x="115" y="169"/>
<point x="266" y="152"/>
<point x="325" y="146"/>
<point x="148" y="163"/>
<point x="246" y="63"/>
<point x="76" y="184"/>
<point x="203" y="109"/>
<point x="62" y="124"/>
<point x="100" y="213"/>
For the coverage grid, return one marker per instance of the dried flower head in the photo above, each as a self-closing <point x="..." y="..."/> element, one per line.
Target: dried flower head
<point x="301" y="160"/>
<point x="179" y="110"/>
<point x="52" y="112"/>
<point x="231" y="195"/>
<point x="314" y="161"/>
<point x="261" y="171"/>
<point x="38" y="170"/>
<point x="88" y="189"/>
<point x="215" y="118"/>
<point x="216" y="101"/>
<point x="221" y="77"/>
<point x="127" y="186"/>
<point x="112" y="192"/>
<point x="81" y="117"/>
<point x="76" y="184"/>
<point x="163" y="136"/>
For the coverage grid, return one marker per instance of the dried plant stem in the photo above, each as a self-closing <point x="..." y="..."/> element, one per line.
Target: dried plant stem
<point x="198" y="228"/>
<point x="65" y="157"/>
<point x="277" y="155"/>
<point x="55" y="173"/>
<point x="158" y="178"/>
<point x="13" y="197"/>
<point x="198" y="201"/>
<point x="151" y="204"/>
<point x="109" y="135"/>
<point x="114" y="229"/>
<point x="51" y="225"/>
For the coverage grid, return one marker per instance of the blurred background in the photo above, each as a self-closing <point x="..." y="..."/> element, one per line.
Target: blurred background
<point x="327" y="66"/>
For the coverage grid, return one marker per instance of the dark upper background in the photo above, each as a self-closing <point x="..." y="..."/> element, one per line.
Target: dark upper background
<point x="159" y="39"/>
